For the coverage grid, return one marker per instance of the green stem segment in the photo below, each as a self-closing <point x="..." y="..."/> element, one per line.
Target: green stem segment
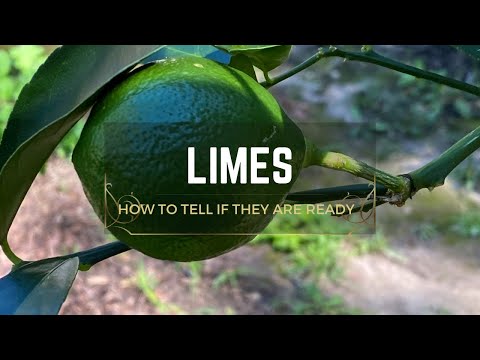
<point x="370" y="56"/>
<point x="434" y="173"/>
<point x="295" y="70"/>
<point x="10" y="254"/>
<point x="335" y="193"/>
<point x="337" y="161"/>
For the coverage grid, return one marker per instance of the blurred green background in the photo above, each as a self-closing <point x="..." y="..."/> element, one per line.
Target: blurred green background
<point x="419" y="258"/>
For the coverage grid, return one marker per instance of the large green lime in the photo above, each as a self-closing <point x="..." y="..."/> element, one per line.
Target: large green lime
<point x="137" y="138"/>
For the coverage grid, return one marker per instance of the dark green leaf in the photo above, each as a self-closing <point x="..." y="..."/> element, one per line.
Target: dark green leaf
<point x="265" y="57"/>
<point x="61" y="91"/>
<point x="37" y="288"/>
<point x="243" y="63"/>
<point x="177" y="51"/>
<point x="472" y="50"/>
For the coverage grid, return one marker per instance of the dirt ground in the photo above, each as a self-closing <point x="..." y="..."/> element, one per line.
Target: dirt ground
<point x="411" y="278"/>
<point x="422" y="280"/>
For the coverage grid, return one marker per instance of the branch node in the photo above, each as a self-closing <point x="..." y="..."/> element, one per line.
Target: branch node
<point x="412" y="188"/>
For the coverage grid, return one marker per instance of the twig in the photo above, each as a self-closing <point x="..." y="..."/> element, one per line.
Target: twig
<point x="370" y="56"/>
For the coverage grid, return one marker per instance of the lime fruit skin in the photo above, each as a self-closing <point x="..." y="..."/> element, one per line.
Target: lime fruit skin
<point x="138" y="133"/>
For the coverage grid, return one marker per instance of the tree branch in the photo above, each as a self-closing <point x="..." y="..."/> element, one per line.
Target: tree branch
<point x="434" y="173"/>
<point x="370" y="56"/>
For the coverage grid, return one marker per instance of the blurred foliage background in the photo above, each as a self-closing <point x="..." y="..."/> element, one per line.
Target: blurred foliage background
<point x="404" y="122"/>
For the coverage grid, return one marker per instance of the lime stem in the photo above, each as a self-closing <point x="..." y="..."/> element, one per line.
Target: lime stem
<point x="341" y="162"/>
<point x="337" y="161"/>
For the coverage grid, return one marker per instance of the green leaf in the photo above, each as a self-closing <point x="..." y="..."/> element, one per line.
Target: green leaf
<point x="472" y="50"/>
<point x="59" y="94"/>
<point x="243" y="63"/>
<point x="178" y="51"/>
<point x="37" y="288"/>
<point x="239" y="61"/>
<point x="265" y="57"/>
